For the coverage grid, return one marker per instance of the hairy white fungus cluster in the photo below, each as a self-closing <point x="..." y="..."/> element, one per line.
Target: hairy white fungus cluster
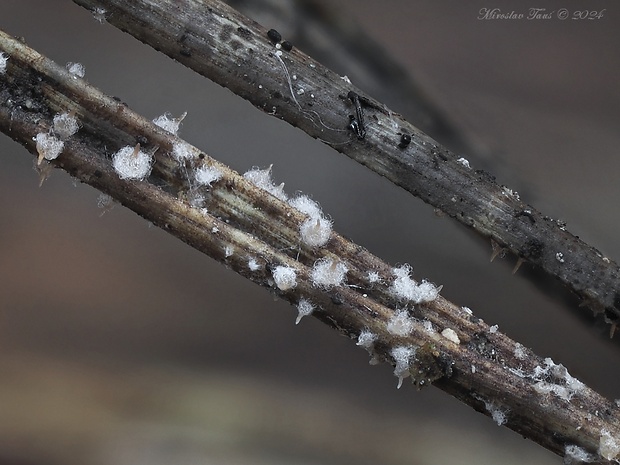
<point x="132" y="163"/>
<point x="574" y="454"/>
<point x="328" y="273"/>
<point x="181" y="151"/>
<point x="262" y="179"/>
<point x="285" y="277"/>
<point x="400" y="324"/>
<point x="402" y="356"/>
<point x="168" y="123"/>
<point x="65" y="125"/>
<point x="316" y="229"/>
<point x="556" y="379"/>
<point x="205" y="175"/>
<point x="304" y="308"/>
<point x="77" y="69"/>
<point x="405" y="288"/>
<point x="609" y="446"/>
<point x="48" y="146"/>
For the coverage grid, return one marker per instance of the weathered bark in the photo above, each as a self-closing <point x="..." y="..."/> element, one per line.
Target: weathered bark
<point x="221" y="44"/>
<point x="483" y="368"/>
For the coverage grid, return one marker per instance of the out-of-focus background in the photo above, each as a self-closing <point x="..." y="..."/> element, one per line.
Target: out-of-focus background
<point x="121" y="345"/>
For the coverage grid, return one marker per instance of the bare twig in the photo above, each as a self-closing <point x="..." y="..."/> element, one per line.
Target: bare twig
<point x="234" y="51"/>
<point x="255" y="233"/>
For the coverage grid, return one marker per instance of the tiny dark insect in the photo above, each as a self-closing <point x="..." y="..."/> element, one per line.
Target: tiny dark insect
<point x="286" y="45"/>
<point x="405" y="140"/>
<point x="274" y="36"/>
<point x="356" y="122"/>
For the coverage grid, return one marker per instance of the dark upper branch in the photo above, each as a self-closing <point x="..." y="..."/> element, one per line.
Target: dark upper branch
<point x="234" y="51"/>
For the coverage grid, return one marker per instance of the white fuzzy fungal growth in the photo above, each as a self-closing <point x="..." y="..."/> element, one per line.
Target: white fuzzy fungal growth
<point x="464" y="162"/>
<point x="99" y="14"/>
<point x="451" y="335"/>
<point x="328" y="273"/>
<point x="65" y="125"/>
<point x="609" y="446"/>
<point x="262" y="179"/>
<point x="228" y="251"/>
<point x="168" y="123"/>
<point x="253" y="265"/>
<point x="402" y="356"/>
<point x="285" y="277"/>
<point x="556" y="379"/>
<point x="499" y="415"/>
<point x="317" y="229"/>
<point x="48" y="146"/>
<point x="405" y="288"/>
<point x="373" y="277"/>
<point x="3" y="59"/>
<point x="493" y="329"/>
<point x="315" y="232"/>
<point x="132" y="163"/>
<point x="77" y="69"/>
<point x="400" y="324"/>
<point x="205" y="175"/>
<point x="574" y="454"/>
<point x="520" y="351"/>
<point x="181" y="151"/>
<point x="304" y="308"/>
<point x="366" y="339"/>
<point x="306" y="205"/>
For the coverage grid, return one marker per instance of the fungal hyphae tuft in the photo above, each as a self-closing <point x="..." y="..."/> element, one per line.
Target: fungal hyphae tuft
<point x="168" y="123"/>
<point x="182" y="151"/>
<point x="304" y="308"/>
<point x="402" y="356"/>
<point x="573" y="454"/>
<point x="519" y="351"/>
<point x="499" y="415"/>
<point x="366" y="339"/>
<point x="328" y="273"/>
<point x="405" y="288"/>
<point x="228" y="251"/>
<point x="306" y="205"/>
<point x="262" y="179"/>
<point x="65" y="125"/>
<point x="132" y="163"/>
<point x="99" y="14"/>
<point x="315" y="232"/>
<point x="3" y="59"/>
<point x="609" y="446"/>
<point x="48" y="146"/>
<point x="400" y="324"/>
<point x="205" y="175"/>
<point x="285" y="277"/>
<point x="253" y="265"/>
<point x="556" y="379"/>
<point x="493" y="329"/>
<point x="77" y="69"/>
<point x="373" y="277"/>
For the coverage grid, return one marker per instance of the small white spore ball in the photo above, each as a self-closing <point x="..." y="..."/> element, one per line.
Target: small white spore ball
<point x="304" y="308"/>
<point x="65" y="125"/>
<point x="132" y="163"/>
<point x="77" y="69"/>
<point x="182" y="151"/>
<point x="406" y="288"/>
<point x="328" y="273"/>
<point x="285" y="277"/>
<point x="48" y="146"/>
<point x="3" y="59"/>
<point x="205" y="175"/>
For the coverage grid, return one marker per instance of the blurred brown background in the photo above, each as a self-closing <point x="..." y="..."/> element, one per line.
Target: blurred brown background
<point x="121" y="345"/>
